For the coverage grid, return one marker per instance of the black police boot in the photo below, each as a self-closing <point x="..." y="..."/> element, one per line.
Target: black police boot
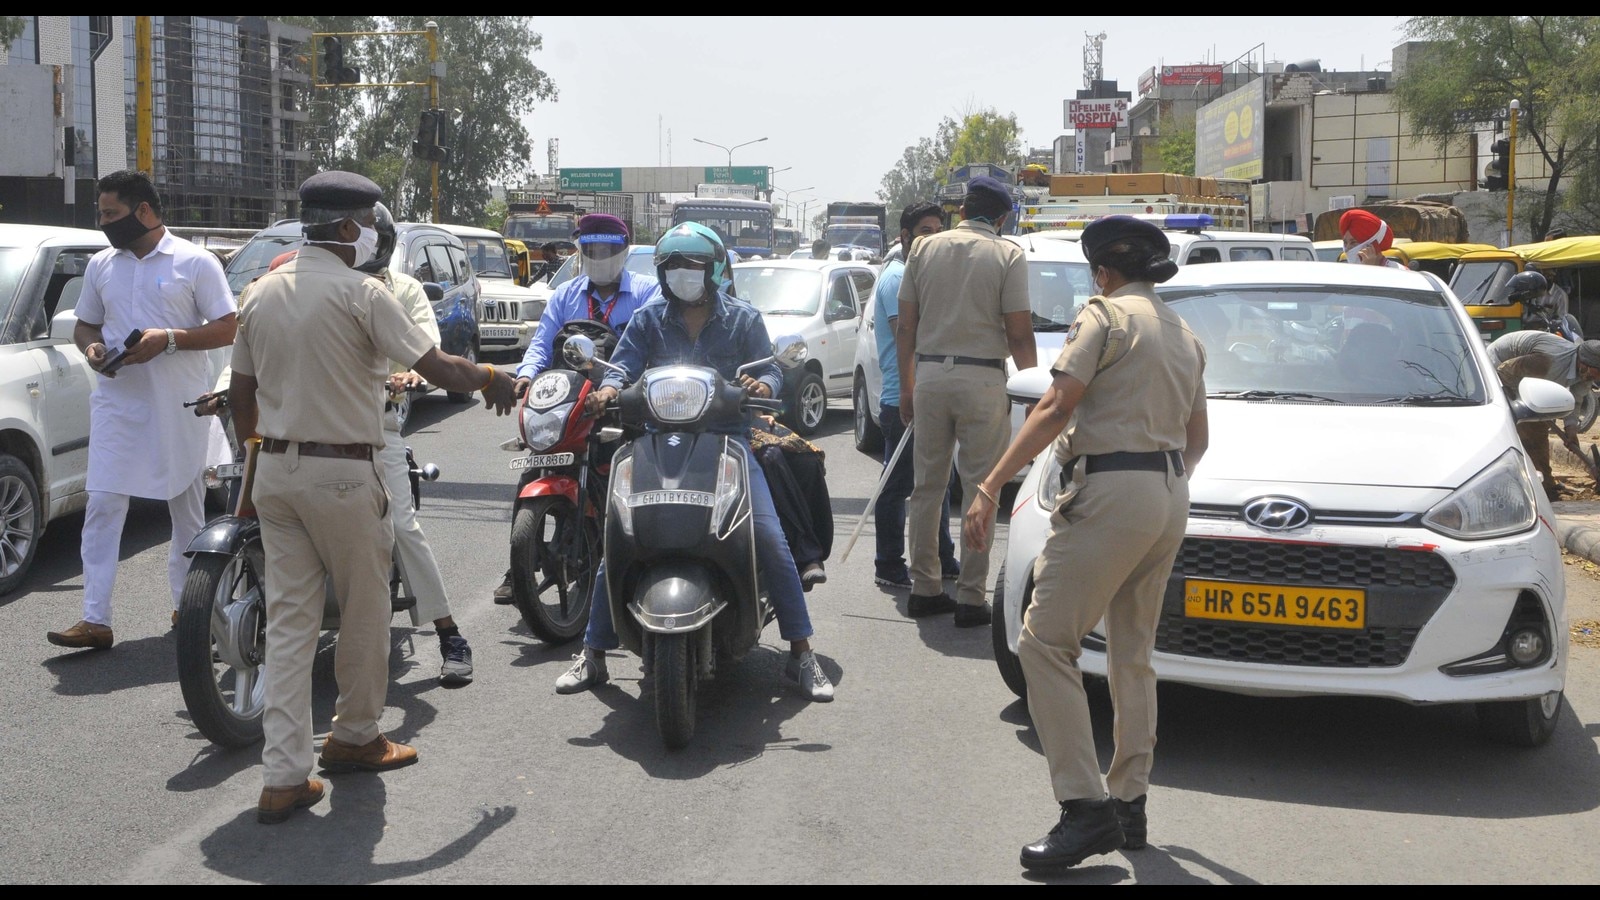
<point x="1087" y="828"/>
<point x="505" y="593"/>
<point x="1130" y="815"/>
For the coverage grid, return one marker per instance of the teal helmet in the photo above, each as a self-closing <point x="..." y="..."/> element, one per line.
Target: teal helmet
<point x="694" y="243"/>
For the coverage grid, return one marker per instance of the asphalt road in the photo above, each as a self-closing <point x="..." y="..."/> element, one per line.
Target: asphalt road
<point x="924" y="770"/>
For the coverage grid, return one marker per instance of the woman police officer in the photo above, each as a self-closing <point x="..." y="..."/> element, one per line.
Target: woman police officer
<point x="1131" y="371"/>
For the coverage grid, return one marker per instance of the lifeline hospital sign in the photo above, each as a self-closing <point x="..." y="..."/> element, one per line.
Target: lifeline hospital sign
<point x="1111" y="113"/>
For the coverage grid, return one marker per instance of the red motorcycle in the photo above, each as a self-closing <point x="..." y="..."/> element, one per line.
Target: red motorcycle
<point x="559" y="514"/>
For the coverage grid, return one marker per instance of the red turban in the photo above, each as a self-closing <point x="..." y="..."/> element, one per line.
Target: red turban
<point x="1362" y="225"/>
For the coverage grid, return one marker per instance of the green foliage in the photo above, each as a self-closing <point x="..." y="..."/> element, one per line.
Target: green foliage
<point x="490" y="82"/>
<point x="11" y="28"/>
<point x="1480" y="63"/>
<point x="494" y="215"/>
<point x="1175" y="148"/>
<point x="978" y="137"/>
<point x="988" y="137"/>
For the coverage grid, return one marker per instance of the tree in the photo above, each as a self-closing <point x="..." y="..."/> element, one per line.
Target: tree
<point x="490" y="83"/>
<point x="982" y="136"/>
<point x="11" y="28"/>
<point x="1479" y="63"/>
<point x="987" y="137"/>
<point x="1175" y="148"/>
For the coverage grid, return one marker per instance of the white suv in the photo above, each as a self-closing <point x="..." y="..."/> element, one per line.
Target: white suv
<point x="45" y="383"/>
<point x="509" y="311"/>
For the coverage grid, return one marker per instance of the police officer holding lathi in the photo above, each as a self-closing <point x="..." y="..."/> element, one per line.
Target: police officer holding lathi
<point x="1131" y="371"/>
<point x="310" y="362"/>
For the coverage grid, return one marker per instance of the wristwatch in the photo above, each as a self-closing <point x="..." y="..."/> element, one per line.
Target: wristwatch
<point x="172" y="341"/>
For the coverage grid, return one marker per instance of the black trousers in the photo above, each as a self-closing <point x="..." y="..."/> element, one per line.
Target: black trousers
<point x="800" y="493"/>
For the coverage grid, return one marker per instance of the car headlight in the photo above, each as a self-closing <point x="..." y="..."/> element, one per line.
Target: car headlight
<point x="1497" y="501"/>
<point x="531" y="310"/>
<point x="1049" y="481"/>
<point x="678" y="394"/>
<point x="541" y="430"/>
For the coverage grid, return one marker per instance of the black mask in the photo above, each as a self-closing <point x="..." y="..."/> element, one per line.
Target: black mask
<point x="123" y="232"/>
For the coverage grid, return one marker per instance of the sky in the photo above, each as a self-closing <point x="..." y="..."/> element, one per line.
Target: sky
<point x="840" y="98"/>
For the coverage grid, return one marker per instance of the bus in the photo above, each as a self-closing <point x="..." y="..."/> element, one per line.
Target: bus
<point x="745" y="226"/>
<point x="785" y="240"/>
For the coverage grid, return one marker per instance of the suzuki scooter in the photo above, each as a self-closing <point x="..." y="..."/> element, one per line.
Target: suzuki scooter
<point x="679" y="535"/>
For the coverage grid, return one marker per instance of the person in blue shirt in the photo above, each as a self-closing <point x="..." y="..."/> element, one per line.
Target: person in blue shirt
<point x="603" y="291"/>
<point x="889" y="565"/>
<point x="698" y="323"/>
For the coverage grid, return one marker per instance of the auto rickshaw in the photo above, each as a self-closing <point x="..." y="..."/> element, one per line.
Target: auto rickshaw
<point x="523" y="261"/>
<point x="1480" y="277"/>
<point x="1438" y="257"/>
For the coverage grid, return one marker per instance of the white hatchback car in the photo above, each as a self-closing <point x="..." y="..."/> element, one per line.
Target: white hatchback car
<point x="1059" y="284"/>
<point x="1365" y="521"/>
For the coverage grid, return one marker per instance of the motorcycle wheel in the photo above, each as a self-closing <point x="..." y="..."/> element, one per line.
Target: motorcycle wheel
<point x="222" y="645"/>
<point x="552" y="580"/>
<point x="672" y="661"/>
<point x="1588" y="409"/>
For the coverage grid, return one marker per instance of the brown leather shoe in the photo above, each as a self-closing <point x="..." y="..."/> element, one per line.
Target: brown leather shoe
<point x="377" y="755"/>
<point x="278" y="803"/>
<point x="83" y="635"/>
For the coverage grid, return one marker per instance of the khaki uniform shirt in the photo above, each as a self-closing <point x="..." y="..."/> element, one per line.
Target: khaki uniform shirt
<point x="962" y="282"/>
<point x="318" y="337"/>
<point x="1143" y="401"/>
<point x="414" y="300"/>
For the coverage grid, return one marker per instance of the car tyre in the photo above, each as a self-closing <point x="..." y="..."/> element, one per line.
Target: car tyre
<point x="1009" y="664"/>
<point x="470" y="355"/>
<point x="21" y="521"/>
<point x="1521" y="723"/>
<point x="869" y="435"/>
<point x="810" y="403"/>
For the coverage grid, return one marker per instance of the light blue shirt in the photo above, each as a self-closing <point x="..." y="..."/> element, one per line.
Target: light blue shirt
<point x="886" y="308"/>
<point x="570" y="302"/>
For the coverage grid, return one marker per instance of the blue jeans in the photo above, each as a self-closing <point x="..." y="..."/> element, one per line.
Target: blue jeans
<point x="776" y="566"/>
<point x="890" y="510"/>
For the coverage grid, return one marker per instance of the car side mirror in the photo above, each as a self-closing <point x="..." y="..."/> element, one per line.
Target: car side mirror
<point x="1029" y="385"/>
<point x="1540" y="400"/>
<point x="434" y="290"/>
<point x="62" y="325"/>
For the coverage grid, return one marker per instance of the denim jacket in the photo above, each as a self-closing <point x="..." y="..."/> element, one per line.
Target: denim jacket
<point x="656" y="336"/>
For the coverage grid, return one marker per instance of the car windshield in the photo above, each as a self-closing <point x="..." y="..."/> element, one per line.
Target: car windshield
<point x="641" y="261"/>
<point x="251" y="260"/>
<point x="1057" y="290"/>
<point x="1350" y="345"/>
<point x="779" y="291"/>
<point x="488" y="257"/>
<point x="13" y="266"/>
<point x="1482" y="283"/>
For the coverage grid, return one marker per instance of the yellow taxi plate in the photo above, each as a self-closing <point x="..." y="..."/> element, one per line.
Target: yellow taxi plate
<point x="1275" y="604"/>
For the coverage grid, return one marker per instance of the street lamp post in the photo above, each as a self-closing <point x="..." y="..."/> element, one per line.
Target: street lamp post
<point x="729" y="149"/>
<point x="786" y="206"/>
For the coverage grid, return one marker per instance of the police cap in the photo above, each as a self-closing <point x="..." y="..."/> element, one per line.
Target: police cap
<point x="990" y="193"/>
<point x="339" y="190"/>
<point x="1108" y="230"/>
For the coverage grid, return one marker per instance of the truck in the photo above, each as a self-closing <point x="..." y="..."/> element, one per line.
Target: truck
<point x="1074" y="200"/>
<point x="857" y="224"/>
<point x="535" y="217"/>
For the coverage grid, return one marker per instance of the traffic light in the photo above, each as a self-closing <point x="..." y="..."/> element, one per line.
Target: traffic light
<point x="430" y="133"/>
<point x="334" y="71"/>
<point x="1494" y="173"/>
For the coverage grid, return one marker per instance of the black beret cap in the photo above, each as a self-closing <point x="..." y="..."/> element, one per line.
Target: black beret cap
<point x="339" y="190"/>
<point x="998" y="193"/>
<point x="1107" y="230"/>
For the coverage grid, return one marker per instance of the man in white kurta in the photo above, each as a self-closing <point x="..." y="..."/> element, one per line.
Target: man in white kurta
<point x="142" y="441"/>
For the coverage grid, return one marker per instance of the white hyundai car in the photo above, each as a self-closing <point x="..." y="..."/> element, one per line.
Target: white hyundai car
<point x="1365" y="521"/>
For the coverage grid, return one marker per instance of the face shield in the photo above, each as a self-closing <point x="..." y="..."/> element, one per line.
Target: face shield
<point x="603" y="256"/>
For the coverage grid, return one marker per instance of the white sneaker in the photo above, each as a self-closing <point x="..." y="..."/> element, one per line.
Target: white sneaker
<point x="806" y="676"/>
<point x="588" y="671"/>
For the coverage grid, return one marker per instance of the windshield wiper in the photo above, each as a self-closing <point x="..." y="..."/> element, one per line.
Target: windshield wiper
<point x="1268" y="395"/>
<point x="1431" y="400"/>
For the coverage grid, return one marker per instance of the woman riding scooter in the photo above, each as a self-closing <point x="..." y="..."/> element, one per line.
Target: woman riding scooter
<point x="701" y="325"/>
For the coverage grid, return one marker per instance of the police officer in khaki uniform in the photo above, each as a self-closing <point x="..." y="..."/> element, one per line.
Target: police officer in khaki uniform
<point x="1131" y="371"/>
<point x="963" y="308"/>
<point x="310" y="360"/>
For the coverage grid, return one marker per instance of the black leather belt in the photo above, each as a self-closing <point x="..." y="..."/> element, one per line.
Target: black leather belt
<point x="963" y="361"/>
<point x="1152" y="461"/>
<point x="311" y="448"/>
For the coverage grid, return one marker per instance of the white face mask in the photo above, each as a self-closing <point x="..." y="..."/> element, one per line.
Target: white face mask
<point x="688" y="285"/>
<point x="605" y="271"/>
<point x="1353" y="255"/>
<point x="366" y="246"/>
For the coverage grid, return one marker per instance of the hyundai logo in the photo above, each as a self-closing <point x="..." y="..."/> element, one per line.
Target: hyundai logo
<point x="1277" y="513"/>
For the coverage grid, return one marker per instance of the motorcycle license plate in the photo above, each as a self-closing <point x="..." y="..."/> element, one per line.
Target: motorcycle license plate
<point x="497" y="331"/>
<point x="544" y="461"/>
<point x="1303" y="606"/>
<point x="229" y="470"/>
<point x="684" y="498"/>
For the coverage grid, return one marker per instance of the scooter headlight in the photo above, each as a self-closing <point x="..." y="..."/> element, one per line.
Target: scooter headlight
<point x="730" y="484"/>
<point x="541" y="430"/>
<point x="678" y="394"/>
<point x="1497" y="501"/>
<point x="621" y="487"/>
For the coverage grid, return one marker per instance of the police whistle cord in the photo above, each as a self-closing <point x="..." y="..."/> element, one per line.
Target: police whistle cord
<point x="888" y="470"/>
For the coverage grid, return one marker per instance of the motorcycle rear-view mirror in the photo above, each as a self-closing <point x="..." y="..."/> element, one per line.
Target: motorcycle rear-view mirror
<point x="578" y="351"/>
<point x="790" y="350"/>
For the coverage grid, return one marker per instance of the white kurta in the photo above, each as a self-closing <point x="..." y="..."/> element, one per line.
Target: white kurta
<point x="142" y="442"/>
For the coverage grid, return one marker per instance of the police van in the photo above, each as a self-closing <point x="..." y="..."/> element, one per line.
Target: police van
<point x="1195" y="241"/>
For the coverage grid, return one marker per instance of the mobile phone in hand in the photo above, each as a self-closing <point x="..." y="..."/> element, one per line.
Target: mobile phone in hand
<point x="114" y="361"/>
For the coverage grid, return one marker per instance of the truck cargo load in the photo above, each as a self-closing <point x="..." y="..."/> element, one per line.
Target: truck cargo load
<point x="1417" y="220"/>
<point x="857" y="224"/>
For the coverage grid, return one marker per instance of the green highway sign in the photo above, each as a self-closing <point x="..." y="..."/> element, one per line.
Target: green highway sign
<point x="756" y="175"/>
<point x="591" y="179"/>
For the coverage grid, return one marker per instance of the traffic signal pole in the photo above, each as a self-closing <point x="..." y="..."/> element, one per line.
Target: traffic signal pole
<point x="433" y="101"/>
<point x="1511" y="172"/>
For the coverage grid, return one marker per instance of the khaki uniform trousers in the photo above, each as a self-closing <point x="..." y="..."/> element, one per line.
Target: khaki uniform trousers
<point x="417" y="561"/>
<point x="1109" y="554"/>
<point x="322" y="518"/>
<point x="960" y="412"/>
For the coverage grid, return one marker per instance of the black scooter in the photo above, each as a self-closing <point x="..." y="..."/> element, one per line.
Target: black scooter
<point x="680" y="554"/>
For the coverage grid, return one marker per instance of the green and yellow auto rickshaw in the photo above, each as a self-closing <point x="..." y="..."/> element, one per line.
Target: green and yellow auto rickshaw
<point x="1480" y="277"/>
